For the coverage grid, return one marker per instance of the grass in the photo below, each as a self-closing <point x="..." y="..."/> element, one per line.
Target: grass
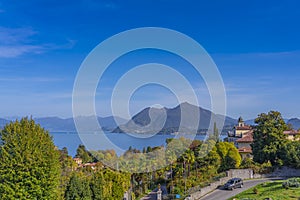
<point x="273" y="190"/>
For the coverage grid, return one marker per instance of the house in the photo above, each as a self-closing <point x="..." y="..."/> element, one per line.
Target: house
<point x="242" y="137"/>
<point x="93" y="165"/>
<point x="78" y="161"/>
<point x="241" y="128"/>
<point x="238" y="131"/>
<point x="292" y="135"/>
<point x="244" y="144"/>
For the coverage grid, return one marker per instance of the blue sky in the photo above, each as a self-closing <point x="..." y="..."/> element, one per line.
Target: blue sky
<point x="255" y="44"/>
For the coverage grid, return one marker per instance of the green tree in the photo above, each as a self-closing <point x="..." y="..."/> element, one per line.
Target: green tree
<point x="84" y="154"/>
<point x="97" y="185"/>
<point x="292" y="154"/>
<point x="67" y="166"/>
<point x="216" y="135"/>
<point x="229" y="155"/>
<point x="269" y="141"/>
<point x="29" y="162"/>
<point x="209" y="162"/>
<point x="78" y="188"/>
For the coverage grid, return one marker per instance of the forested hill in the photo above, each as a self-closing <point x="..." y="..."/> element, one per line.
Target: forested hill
<point x="173" y="119"/>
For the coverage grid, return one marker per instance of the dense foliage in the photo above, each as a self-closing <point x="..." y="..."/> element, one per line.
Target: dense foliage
<point x="271" y="145"/>
<point x="99" y="184"/>
<point x="269" y="140"/>
<point x="32" y="168"/>
<point x="29" y="162"/>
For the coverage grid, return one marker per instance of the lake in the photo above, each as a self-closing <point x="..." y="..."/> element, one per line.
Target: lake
<point x="122" y="140"/>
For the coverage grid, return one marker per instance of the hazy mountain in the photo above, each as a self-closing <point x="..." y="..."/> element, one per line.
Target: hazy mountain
<point x="140" y="123"/>
<point x="56" y="124"/>
<point x="251" y="121"/>
<point x="295" y="122"/>
<point x="3" y="122"/>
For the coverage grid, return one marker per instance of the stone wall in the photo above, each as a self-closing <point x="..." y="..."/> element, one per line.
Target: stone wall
<point x="205" y="190"/>
<point x="233" y="173"/>
<point x="240" y="173"/>
<point x="286" y="172"/>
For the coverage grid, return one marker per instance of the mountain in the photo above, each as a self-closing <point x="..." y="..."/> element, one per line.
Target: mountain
<point x="56" y="124"/>
<point x="170" y="122"/>
<point x="252" y="121"/>
<point x="3" y="122"/>
<point x="295" y="122"/>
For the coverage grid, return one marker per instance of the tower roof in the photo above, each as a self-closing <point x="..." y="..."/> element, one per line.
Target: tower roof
<point x="240" y="119"/>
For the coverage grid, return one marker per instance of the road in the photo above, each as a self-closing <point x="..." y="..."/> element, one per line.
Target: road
<point x="153" y="195"/>
<point x="221" y="194"/>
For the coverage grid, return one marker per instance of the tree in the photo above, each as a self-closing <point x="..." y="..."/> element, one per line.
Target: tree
<point x="97" y="185"/>
<point x="188" y="158"/>
<point x="292" y="154"/>
<point x="29" y="162"/>
<point x="229" y="155"/>
<point x="67" y="166"/>
<point x="84" y="154"/>
<point x="78" y="188"/>
<point x="216" y="135"/>
<point x="211" y="162"/>
<point x="269" y="141"/>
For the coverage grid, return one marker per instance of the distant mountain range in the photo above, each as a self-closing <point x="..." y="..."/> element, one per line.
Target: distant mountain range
<point x="56" y="124"/>
<point x="3" y="122"/>
<point x="140" y="123"/>
<point x="295" y="122"/>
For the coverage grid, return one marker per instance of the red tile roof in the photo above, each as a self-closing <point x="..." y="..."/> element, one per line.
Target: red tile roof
<point x="246" y="127"/>
<point x="247" y="138"/>
<point x="291" y="132"/>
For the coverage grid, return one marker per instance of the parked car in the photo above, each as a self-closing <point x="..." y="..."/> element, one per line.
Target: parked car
<point x="234" y="183"/>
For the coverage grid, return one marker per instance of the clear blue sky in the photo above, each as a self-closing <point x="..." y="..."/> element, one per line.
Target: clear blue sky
<point x="255" y="44"/>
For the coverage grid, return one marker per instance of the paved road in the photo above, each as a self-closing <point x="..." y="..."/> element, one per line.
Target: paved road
<point x="221" y="194"/>
<point x="153" y="195"/>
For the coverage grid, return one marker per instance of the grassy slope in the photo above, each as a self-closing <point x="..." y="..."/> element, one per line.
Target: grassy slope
<point x="272" y="190"/>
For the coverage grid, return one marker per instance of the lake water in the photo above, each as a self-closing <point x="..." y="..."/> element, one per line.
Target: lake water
<point x="122" y="140"/>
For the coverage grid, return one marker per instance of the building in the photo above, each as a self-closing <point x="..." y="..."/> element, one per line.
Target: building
<point x="244" y="144"/>
<point x="241" y="128"/>
<point x="242" y="137"/>
<point x="292" y="135"/>
<point x="93" y="165"/>
<point x="78" y="161"/>
<point x="239" y="131"/>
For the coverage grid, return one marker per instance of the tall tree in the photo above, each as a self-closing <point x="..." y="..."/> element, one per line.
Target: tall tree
<point x="216" y="133"/>
<point x="269" y="141"/>
<point x="292" y="157"/>
<point x="229" y="155"/>
<point x="84" y="154"/>
<point x="29" y="162"/>
<point x="67" y="166"/>
<point x="78" y="188"/>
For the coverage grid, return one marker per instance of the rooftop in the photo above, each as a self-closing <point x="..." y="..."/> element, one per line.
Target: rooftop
<point x="247" y="138"/>
<point x="245" y="150"/>
<point x="291" y="132"/>
<point x="245" y="127"/>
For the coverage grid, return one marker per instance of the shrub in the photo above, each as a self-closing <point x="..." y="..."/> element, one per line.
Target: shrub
<point x="255" y="190"/>
<point x="292" y="182"/>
